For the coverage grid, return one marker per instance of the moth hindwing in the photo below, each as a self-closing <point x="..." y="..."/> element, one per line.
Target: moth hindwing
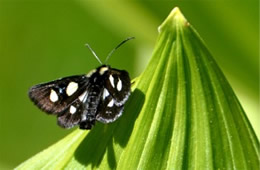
<point x="81" y="100"/>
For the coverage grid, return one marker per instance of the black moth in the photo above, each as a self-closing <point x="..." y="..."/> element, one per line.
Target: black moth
<point x="81" y="100"/>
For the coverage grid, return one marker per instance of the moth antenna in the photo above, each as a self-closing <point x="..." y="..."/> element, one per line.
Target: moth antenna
<point x="111" y="52"/>
<point x="93" y="52"/>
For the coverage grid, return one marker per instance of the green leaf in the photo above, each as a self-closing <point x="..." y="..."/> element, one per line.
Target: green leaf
<point x="182" y="114"/>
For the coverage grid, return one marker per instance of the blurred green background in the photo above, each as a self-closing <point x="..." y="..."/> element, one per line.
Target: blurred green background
<point x="44" y="40"/>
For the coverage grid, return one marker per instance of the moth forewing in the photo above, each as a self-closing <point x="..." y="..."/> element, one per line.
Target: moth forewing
<point x="119" y="86"/>
<point x="55" y="96"/>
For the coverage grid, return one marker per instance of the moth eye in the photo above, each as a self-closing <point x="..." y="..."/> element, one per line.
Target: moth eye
<point x="119" y="85"/>
<point x="54" y="96"/>
<point x="111" y="79"/>
<point x="71" y="88"/>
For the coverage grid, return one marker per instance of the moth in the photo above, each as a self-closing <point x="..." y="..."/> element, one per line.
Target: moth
<point x="99" y="95"/>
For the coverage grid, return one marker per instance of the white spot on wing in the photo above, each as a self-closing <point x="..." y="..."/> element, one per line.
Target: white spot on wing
<point x="105" y="93"/>
<point x="71" y="88"/>
<point x="73" y="109"/>
<point x="54" y="96"/>
<point x="111" y="103"/>
<point x="83" y="97"/>
<point x="103" y="70"/>
<point x="111" y="79"/>
<point x="119" y="85"/>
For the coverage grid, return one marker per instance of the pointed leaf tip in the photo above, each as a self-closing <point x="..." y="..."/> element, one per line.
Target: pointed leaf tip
<point x="174" y="18"/>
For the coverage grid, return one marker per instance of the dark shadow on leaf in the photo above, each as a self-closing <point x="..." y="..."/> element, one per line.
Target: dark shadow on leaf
<point x="92" y="149"/>
<point x="111" y="156"/>
<point x="126" y="124"/>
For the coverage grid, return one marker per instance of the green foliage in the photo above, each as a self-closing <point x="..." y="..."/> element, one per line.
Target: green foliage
<point x="182" y="114"/>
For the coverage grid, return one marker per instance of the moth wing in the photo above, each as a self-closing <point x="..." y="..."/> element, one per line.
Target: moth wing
<point x="72" y="115"/>
<point x="116" y="91"/>
<point x="56" y="96"/>
<point x="108" y="111"/>
<point x="118" y="85"/>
